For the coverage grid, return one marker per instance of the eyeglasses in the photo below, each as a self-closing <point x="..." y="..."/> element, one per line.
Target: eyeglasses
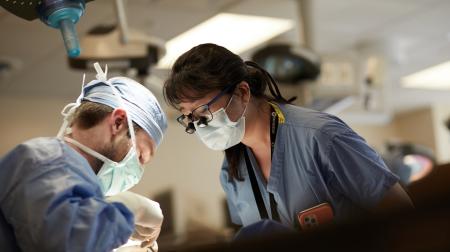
<point x="202" y="115"/>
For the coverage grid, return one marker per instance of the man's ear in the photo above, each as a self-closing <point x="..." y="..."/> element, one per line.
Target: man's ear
<point x="118" y="121"/>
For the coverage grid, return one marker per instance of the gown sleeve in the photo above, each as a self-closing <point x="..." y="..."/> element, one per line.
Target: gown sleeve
<point x="53" y="205"/>
<point x="356" y="170"/>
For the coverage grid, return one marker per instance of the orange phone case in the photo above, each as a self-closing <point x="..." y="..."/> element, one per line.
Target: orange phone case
<point x="315" y="216"/>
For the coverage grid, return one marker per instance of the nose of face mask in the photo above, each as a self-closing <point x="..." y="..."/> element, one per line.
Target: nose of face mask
<point x="222" y="133"/>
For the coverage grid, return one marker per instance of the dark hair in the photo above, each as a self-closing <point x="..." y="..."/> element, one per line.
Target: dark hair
<point x="207" y="68"/>
<point x="89" y="114"/>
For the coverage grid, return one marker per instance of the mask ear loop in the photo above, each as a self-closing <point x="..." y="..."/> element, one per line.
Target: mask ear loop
<point x="102" y="76"/>
<point x="129" y="122"/>
<point x="246" y="106"/>
<point x="89" y="150"/>
<point x="232" y="96"/>
<point x="68" y="110"/>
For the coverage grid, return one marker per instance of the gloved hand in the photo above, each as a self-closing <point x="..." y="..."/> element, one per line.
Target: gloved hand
<point x="148" y="217"/>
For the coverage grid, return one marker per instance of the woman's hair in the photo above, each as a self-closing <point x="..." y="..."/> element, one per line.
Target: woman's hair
<point x="208" y="68"/>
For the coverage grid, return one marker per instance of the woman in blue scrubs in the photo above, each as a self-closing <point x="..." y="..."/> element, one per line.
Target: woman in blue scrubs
<point x="280" y="159"/>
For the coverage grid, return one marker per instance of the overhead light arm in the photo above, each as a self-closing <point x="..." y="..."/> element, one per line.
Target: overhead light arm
<point x="122" y="21"/>
<point x="305" y="20"/>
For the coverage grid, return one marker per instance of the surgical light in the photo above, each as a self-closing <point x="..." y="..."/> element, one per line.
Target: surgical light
<point x="237" y="33"/>
<point x="435" y="77"/>
<point x="287" y="63"/>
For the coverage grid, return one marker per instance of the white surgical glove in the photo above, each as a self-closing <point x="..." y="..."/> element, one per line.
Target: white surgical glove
<point x="148" y="217"/>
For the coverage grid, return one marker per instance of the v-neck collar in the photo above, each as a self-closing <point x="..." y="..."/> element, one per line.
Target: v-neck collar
<point x="277" y="160"/>
<point x="276" y="166"/>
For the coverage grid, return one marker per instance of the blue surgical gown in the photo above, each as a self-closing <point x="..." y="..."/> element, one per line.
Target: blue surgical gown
<point x="51" y="200"/>
<point x="317" y="159"/>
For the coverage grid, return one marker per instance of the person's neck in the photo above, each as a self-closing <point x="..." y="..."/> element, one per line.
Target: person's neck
<point x="257" y="134"/>
<point x="88" y="139"/>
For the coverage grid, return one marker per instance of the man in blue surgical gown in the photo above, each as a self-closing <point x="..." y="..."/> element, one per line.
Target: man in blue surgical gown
<point x="52" y="190"/>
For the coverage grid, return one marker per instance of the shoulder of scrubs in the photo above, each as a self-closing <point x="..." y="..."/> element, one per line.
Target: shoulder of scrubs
<point x="347" y="163"/>
<point x="304" y="118"/>
<point x="228" y="188"/>
<point x="51" y="200"/>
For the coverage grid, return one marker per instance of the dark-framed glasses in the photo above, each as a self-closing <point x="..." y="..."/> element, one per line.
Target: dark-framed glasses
<point x="201" y="115"/>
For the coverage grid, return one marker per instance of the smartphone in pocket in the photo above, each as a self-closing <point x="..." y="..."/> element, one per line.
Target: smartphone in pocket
<point x="315" y="216"/>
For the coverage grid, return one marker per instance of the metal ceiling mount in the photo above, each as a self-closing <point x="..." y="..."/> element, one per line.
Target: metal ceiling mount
<point x="119" y="47"/>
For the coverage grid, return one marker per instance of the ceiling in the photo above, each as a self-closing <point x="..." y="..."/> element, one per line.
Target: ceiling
<point x="412" y="34"/>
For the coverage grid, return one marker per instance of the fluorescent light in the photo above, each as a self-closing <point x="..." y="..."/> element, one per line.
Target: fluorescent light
<point x="436" y="77"/>
<point x="237" y="33"/>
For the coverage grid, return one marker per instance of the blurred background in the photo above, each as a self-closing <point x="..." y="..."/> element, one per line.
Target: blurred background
<point x="382" y="66"/>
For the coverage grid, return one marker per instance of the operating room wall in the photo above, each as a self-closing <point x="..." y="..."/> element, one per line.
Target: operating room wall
<point x="375" y="135"/>
<point x="25" y="117"/>
<point x="182" y="164"/>
<point x="415" y="126"/>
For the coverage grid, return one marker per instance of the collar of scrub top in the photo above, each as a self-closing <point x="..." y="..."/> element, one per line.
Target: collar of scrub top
<point x="277" y="162"/>
<point x="280" y="115"/>
<point x="277" y="117"/>
<point x="67" y="111"/>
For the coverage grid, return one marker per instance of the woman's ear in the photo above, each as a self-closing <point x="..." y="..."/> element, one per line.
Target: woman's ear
<point x="244" y="91"/>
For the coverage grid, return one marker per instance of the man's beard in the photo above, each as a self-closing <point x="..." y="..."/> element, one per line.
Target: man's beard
<point x="115" y="152"/>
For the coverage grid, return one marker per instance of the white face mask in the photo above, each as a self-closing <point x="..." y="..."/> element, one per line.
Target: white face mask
<point x="115" y="177"/>
<point x="222" y="133"/>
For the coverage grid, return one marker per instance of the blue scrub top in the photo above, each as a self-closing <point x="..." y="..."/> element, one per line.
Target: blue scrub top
<point x="317" y="159"/>
<point x="50" y="200"/>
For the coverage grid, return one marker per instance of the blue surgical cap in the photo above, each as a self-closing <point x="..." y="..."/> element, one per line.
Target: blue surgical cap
<point x="139" y="102"/>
